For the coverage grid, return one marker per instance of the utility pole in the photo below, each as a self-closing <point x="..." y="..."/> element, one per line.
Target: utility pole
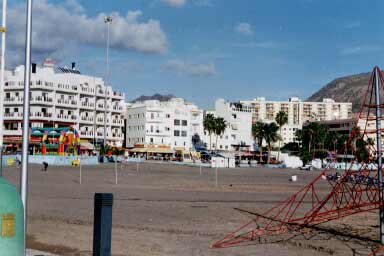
<point x="108" y="21"/>
<point x="3" y="29"/>
<point x="27" y="80"/>
<point x="378" y="151"/>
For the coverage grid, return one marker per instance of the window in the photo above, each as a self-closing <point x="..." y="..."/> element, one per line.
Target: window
<point x="184" y="122"/>
<point x="152" y="116"/>
<point x="183" y="133"/>
<point x="168" y="116"/>
<point x="167" y="128"/>
<point x="151" y="140"/>
<point x="176" y="133"/>
<point x="177" y="122"/>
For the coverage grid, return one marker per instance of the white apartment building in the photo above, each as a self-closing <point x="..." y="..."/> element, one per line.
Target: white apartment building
<point x="63" y="97"/>
<point x="238" y="118"/>
<point x="170" y="123"/>
<point x="298" y="112"/>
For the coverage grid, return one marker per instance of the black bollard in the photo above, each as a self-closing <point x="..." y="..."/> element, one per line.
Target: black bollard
<point x="102" y="225"/>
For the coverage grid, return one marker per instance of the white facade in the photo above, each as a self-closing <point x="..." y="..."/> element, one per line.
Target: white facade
<point x="298" y="113"/>
<point x="239" y="126"/>
<point x="171" y="123"/>
<point x="64" y="97"/>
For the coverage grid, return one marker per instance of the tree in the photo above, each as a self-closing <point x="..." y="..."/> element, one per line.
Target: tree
<point x="219" y="127"/>
<point x="258" y="134"/>
<point x="209" y="126"/>
<point x="271" y="136"/>
<point x="281" y="119"/>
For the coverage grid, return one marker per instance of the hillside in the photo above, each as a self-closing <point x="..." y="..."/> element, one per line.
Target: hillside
<point x="345" y="89"/>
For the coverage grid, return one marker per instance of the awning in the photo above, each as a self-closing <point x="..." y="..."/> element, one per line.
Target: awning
<point x="160" y="150"/>
<point x="138" y="150"/>
<point x="86" y="145"/>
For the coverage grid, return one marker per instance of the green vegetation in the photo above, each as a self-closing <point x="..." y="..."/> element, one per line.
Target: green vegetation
<point x="267" y="132"/>
<point x="216" y="125"/>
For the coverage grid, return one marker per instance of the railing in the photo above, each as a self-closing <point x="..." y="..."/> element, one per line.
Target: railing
<point x="87" y="118"/>
<point x="14" y="100"/>
<point x="67" y="117"/>
<point x="13" y="115"/>
<point x="88" y="104"/>
<point x="41" y="99"/>
<point x="40" y="115"/>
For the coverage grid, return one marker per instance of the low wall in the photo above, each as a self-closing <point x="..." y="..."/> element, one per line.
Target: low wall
<point x="55" y="160"/>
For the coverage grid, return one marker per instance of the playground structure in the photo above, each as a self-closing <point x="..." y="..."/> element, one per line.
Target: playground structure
<point x="56" y="141"/>
<point x="352" y="192"/>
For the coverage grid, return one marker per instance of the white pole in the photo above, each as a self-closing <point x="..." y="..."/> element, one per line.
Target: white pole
<point x="108" y="21"/>
<point x="137" y="167"/>
<point x="27" y="80"/>
<point x="3" y="30"/>
<point x="116" y="169"/>
<point x="200" y="169"/>
<point x="80" y="171"/>
<point x="216" y="173"/>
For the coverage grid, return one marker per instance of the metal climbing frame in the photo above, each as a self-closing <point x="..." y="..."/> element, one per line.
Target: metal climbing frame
<point x="327" y="197"/>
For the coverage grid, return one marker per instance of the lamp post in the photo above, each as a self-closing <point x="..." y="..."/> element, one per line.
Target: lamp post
<point x="108" y="21"/>
<point x="27" y="79"/>
<point x="2" y="30"/>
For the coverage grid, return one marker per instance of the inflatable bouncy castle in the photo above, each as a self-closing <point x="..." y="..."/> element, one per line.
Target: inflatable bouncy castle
<point x="55" y="141"/>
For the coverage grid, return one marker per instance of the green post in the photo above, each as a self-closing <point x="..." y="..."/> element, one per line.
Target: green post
<point x="11" y="220"/>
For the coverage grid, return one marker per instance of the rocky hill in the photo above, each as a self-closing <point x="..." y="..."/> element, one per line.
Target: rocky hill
<point x="345" y="89"/>
<point x="156" y="96"/>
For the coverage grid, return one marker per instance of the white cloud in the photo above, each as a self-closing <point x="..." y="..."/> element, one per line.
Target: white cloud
<point x="244" y="28"/>
<point x="191" y="69"/>
<point x="59" y="29"/>
<point x="175" y="3"/>
<point x="181" y="3"/>
<point x="359" y="50"/>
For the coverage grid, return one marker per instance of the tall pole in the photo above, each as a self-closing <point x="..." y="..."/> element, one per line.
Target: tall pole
<point x="378" y="152"/>
<point x="27" y="79"/>
<point x="108" y="21"/>
<point x="3" y="30"/>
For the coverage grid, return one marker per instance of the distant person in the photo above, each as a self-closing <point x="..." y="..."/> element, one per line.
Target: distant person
<point x="45" y="166"/>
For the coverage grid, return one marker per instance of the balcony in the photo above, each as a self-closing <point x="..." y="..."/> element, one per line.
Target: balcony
<point x="67" y="103"/>
<point x="13" y="132"/>
<point x="87" y="91"/>
<point x="41" y="100"/>
<point x="118" y="122"/>
<point x="66" y="118"/>
<point x="13" y="116"/>
<point x="87" y="119"/>
<point x="86" y="133"/>
<point x="100" y="107"/>
<point x="42" y="85"/>
<point x="41" y="115"/>
<point x="67" y="88"/>
<point x="13" y="101"/>
<point x="12" y="85"/>
<point x="87" y="105"/>
<point x="117" y="108"/>
<point x="118" y="95"/>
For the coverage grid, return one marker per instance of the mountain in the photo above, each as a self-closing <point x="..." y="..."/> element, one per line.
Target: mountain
<point x="345" y="89"/>
<point x="156" y="96"/>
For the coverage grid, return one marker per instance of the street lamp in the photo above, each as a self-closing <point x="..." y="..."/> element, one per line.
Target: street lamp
<point x="108" y="21"/>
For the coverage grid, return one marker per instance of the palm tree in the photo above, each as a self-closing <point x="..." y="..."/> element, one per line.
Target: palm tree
<point x="258" y="134"/>
<point x="271" y="136"/>
<point x="209" y="126"/>
<point x="281" y="119"/>
<point x="220" y="126"/>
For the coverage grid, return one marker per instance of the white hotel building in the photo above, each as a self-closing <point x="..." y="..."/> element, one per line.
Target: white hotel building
<point x="238" y="118"/>
<point x="63" y="97"/>
<point x="298" y="112"/>
<point x="170" y="123"/>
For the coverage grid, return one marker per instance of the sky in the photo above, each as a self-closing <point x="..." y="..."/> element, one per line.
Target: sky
<point x="202" y="50"/>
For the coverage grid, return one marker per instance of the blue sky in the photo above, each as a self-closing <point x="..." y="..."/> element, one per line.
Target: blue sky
<point x="205" y="49"/>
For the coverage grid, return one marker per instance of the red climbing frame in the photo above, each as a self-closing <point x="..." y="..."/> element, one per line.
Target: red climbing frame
<point x="353" y="192"/>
